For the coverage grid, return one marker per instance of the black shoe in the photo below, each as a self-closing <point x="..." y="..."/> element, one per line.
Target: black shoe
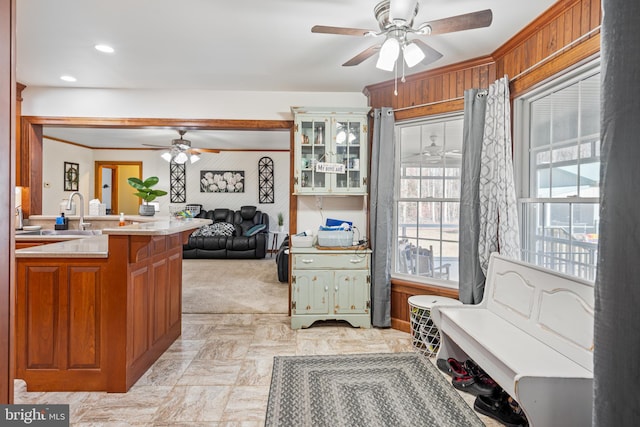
<point x="470" y="385"/>
<point x="481" y="376"/>
<point x="499" y="409"/>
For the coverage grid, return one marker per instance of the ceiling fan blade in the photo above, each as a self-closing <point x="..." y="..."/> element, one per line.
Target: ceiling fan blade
<point x="430" y="54"/>
<point x="365" y="54"/>
<point x="323" y="29"/>
<point x="467" y="21"/>
<point x="402" y="9"/>
<point x="159" y="147"/>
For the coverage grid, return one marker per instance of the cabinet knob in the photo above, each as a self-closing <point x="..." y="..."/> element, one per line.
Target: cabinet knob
<point x="307" y="261"/>
<point x="355" y="260"/>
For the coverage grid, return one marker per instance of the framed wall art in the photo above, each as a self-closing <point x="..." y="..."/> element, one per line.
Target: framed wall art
<point x="71" y="176"/>
<point x="221" y="181"/>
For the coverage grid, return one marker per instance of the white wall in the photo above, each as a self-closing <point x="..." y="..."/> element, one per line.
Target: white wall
<point x="56" y="153"/>
<point x="192" y="104"/>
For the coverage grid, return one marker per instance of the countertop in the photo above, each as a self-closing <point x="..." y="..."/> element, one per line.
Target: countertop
<point x="98" y="246"/>
<point x="88" y="247"/>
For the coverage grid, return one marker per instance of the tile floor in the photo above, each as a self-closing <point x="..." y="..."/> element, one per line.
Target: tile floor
<point x="218" y="372"/>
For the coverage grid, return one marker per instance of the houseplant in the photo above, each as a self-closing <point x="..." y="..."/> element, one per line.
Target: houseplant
<point x="280" y="222"/>
<point x="146" y="193"/>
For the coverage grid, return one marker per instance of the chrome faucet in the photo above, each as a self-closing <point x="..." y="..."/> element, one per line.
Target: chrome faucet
<point x="82" y="225"/>
<point x="19" y="219"/>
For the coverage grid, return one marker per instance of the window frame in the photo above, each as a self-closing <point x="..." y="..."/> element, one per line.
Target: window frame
<point x="434" y="119"/>
<point x="522" y="161"/>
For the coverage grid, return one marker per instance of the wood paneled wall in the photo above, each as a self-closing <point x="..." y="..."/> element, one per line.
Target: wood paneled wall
<point x="565" y="36"/>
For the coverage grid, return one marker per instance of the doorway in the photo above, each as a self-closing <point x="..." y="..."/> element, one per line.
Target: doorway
<point x="111" y="186"/>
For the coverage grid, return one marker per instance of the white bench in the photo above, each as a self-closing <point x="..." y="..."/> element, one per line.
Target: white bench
<point x="533" y="334"/>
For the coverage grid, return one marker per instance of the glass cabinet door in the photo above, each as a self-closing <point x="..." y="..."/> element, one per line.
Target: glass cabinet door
<point x="313" y="142"/>
<point x="350" y="145"/>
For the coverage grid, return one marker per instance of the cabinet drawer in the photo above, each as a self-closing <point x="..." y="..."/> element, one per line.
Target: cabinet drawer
<point x="333" y="261"/>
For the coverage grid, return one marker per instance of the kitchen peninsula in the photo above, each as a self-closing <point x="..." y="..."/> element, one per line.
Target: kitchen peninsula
<point x="94" y="314"/>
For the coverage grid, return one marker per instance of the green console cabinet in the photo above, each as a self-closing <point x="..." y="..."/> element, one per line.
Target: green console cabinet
<point x="330" y="285"/>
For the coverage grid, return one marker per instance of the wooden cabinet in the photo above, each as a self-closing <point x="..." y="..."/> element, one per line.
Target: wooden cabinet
<point x="331" y="156"/>
<point x="330" y="284"/>
<point x="87" y="324"/>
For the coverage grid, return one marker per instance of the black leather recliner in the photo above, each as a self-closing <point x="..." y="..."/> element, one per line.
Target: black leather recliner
<point x="236" y="246"/>
<point x="282" y="261"/>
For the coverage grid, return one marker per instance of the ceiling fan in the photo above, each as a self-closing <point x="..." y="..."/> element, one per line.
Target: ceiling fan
<point x="434" y="153"/>
<point x="395" y="19"/>
<point x="180" y="150"/>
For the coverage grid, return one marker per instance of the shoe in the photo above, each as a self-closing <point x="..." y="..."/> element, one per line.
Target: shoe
<point x="469" y="384"/>
<point x="499" y="409"/>
<point x="480" y="375"/>
<point x="452" y="367"/>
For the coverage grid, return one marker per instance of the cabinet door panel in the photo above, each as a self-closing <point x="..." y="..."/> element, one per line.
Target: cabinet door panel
<point x="311" y="291"/>
<point x="351" y="292"/>
<point x="84" y="317"/>
<point x="41" y="310"/>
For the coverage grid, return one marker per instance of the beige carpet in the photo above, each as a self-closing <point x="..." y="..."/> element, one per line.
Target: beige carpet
<point x="232" y="286"/>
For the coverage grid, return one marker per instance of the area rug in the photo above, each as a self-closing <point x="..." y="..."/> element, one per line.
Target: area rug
<point x="391" y="389"/>
<point x="233" y="286"/>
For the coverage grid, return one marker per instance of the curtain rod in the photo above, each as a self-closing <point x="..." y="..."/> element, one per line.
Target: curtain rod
<point x="537" y="64"/>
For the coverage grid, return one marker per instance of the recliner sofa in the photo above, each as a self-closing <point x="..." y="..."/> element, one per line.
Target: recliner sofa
<point x="234" y="234"/>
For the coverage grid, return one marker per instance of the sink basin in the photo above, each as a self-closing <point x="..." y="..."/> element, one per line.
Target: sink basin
<point x="70" y="232"/>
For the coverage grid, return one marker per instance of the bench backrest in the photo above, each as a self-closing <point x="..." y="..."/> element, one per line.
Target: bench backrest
<point x="555" y="308"/>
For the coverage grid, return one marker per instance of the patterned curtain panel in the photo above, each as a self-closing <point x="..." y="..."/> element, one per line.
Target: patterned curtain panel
<point x="499" y="230"/>
<point x="488" y="204"/>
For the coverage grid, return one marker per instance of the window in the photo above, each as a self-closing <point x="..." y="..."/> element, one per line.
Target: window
<point x="560" y="173"/>
<point x="427" y="199"/>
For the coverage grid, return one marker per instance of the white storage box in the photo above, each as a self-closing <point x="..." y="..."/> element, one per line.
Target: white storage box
<point x="335" y="238"/>
<point x="301" y="241"/>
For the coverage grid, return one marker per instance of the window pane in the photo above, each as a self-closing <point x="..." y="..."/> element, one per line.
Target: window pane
<point x="407" y="220"/>
<point x="432" y="182"/>
<point x="564" y="114"/>
<point x="430" y="159"/>
<point x="540" y="121"/>
<point x="590" y="106"/>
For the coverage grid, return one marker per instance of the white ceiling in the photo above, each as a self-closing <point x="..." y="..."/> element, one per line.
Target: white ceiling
<point x="253" y="45"/>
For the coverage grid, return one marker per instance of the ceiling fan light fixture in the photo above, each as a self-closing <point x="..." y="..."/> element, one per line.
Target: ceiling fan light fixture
<point x="194" y="158"/>
<point x="181" y="158"/>
<point x="388" y="54"/>
<point x="413" y="55"/>
<point x="166" y="156"/>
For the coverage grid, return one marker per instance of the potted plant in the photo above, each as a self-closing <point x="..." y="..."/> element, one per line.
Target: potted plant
<point x="146" y="193"/>
<point x="280" y="222"/>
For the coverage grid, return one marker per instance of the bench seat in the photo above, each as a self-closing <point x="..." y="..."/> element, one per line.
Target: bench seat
<point x="508" y="352"/>
<point x="533" y="334"/>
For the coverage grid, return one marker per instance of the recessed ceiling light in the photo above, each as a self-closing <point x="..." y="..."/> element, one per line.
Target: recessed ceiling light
<point x="104" y="48"/>
<point x="68" y="78"/>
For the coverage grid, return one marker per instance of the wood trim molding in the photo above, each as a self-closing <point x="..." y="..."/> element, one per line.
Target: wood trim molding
<point x="141" y="123"/>
<point x="31" y="153"/>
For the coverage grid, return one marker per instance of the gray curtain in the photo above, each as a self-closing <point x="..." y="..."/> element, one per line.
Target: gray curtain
<point x="617" y="291"/>
<point x="488" y="204"/>
<point x="471" y="282"/>
<point x="381" y="179"/>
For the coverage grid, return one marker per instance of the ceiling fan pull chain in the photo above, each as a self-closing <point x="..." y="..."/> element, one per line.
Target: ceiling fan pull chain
<point x="395" y="89"/>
